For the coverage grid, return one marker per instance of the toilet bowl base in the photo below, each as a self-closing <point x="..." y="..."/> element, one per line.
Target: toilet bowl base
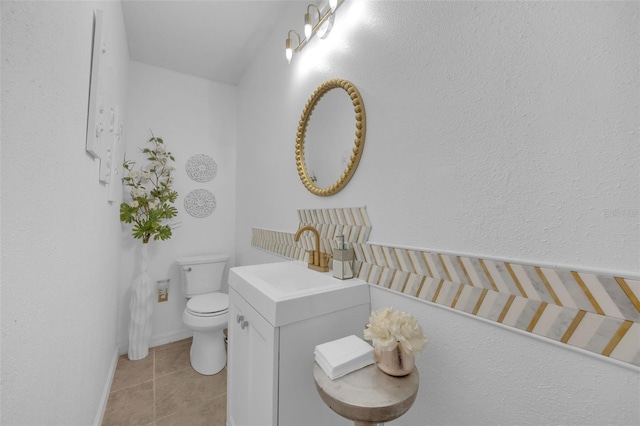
<point x="208" y="353"/>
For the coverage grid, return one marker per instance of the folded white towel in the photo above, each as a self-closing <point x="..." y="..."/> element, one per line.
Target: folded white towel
<point x="334" y="373"/>
<point x="340" y="357"/>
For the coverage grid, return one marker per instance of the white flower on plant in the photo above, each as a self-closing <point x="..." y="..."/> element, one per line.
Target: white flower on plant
<point x="147" y="212"/>
<point x="139" y="193"/>
<point x="388" y="328"/>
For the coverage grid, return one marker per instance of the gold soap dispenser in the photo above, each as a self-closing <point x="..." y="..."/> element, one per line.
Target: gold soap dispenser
<point x="342" y="260"/>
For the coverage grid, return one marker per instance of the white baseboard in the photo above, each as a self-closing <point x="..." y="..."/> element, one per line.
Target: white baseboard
<point x="173" y="336"/>
<point x="161" y="339"/>
<point x="102" y="406"/>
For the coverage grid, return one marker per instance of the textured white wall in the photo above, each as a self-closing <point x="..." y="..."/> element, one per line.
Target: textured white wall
<point x="60" y="237"/>
<point x="475" y="372"/>
<point x="193" y="116"/>
<point x="500" y="129"/>
<point x="497" y="129"/>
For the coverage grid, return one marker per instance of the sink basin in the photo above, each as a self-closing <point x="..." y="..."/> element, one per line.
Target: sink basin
<point x="287" y="292"/>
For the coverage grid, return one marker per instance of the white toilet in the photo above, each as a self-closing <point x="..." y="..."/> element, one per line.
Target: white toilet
<point x="207" y="310"/>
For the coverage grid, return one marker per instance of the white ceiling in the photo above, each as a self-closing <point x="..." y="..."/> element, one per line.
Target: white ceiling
<point x="213" y="39"/>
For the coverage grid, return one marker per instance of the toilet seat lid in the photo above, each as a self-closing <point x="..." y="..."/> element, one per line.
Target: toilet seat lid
<point x="208" y="303"/>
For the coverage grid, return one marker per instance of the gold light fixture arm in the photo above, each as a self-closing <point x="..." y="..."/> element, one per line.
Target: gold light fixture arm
<point x="314" y="28"/>
<point x="289" y="45"/>
<point x="308" y="26"/>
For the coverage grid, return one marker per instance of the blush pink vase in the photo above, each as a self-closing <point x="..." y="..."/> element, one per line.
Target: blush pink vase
<point x="395" y="362"/>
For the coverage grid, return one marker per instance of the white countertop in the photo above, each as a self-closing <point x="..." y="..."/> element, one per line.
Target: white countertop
<point x="287" y="292"/>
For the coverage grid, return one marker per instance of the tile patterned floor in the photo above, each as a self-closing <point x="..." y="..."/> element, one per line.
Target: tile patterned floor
<point x="163" y="389"/>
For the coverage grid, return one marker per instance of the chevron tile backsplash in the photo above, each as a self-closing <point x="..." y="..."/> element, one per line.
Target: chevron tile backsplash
<point x="596" y="313"/>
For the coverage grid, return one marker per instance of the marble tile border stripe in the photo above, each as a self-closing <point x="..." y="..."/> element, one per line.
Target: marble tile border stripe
<point x="598" y="313"/>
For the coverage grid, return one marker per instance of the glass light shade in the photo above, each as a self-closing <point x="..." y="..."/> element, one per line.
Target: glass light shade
<point x="325" y="28"/>
<point x="288" y="50"/>
<point x="307" y="25"/>
<point x="333" y="4"/>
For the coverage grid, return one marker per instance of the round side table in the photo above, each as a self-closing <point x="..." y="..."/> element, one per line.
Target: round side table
<point x="368" y="396"/>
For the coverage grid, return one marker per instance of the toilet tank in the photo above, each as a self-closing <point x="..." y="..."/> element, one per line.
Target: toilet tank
<point x="201" y="274"/>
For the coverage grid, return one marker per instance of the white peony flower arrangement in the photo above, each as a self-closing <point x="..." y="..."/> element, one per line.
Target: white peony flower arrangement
<point x="388" y="329"/>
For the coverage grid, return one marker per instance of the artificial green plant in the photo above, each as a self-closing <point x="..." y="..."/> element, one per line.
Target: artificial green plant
<point x="151" y="195"/>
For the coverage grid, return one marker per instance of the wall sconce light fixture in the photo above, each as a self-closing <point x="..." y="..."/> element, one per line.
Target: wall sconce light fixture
<point x="307" y="20"/>
<point x="289" y="49"/>
<point x="322" y="27"/>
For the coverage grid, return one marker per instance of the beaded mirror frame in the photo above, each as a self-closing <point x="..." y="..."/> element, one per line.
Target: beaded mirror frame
<point x="358" y="144"/>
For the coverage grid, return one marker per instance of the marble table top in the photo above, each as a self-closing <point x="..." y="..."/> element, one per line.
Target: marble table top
<point x="368" y="395"/>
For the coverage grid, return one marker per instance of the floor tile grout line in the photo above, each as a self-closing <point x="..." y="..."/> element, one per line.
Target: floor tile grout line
<point x="129" y="387"/>
<point x="155" y="377"/>
<point x="173" y="372"/>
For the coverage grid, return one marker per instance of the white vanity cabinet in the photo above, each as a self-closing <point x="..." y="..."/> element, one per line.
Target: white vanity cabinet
<point x="254" y="354"/>
<point x="278" y="313"/>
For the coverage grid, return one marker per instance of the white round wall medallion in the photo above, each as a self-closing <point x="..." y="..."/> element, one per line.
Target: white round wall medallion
<point x="201" y="168"/>
<point x="200" y="203"/>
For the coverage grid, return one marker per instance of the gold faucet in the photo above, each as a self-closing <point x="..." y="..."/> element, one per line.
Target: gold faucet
<point x="318" y="261"/>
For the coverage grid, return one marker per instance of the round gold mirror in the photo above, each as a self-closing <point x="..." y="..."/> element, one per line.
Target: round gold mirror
<point x="327" y="154"/>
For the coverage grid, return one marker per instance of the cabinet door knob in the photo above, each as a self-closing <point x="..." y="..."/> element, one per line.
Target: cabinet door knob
<point x="244" y="324"/>
<point x="239" y="318"/>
